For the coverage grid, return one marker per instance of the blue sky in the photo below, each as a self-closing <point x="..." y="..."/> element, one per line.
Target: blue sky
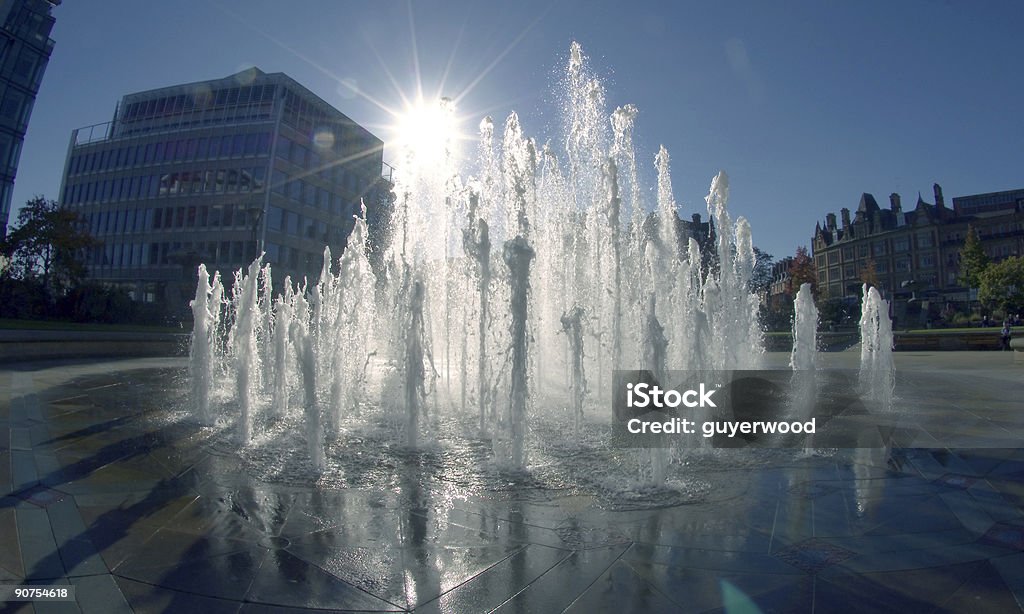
<point x="805" y="104"/>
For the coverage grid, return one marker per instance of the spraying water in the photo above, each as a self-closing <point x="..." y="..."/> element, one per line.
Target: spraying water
<point x="307" y="358"/>
<point x="877" y="371"/>
<point x="804" y="356"/>
<point x="805" y="330"/>
<point x="245" y="346"/>
<point x="204" y="316"/>
<point x="589" y="278"/>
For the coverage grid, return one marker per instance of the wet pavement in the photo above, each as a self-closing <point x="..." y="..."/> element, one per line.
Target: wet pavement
<point x="107" y="487"/>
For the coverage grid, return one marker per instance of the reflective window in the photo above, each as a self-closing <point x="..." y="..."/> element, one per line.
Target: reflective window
<point x="274" y="215"/>
<point x="251" y="143"/>
<point x="284" y="148"/>
<point x="259" y="176"/>
<point x="278" y="183"/>
<point x="298" y="155"/>
<point x="308" y="194"/>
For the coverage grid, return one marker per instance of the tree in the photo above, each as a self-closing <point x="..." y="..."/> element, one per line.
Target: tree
<point x="973" y="260"/>
<point x="868" y="273"/>
<point x="802" y="271"/>
<point x="761" y="277"/>
<point x="47" y="245"/>
<point x="1001" y="285"/>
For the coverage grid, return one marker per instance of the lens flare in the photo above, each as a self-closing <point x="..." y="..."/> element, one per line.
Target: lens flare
<point x="427" y="132"/>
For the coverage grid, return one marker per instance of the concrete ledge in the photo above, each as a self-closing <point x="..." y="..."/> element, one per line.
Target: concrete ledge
<point x="1017" y="345"/>
<point x="18" y="345"/>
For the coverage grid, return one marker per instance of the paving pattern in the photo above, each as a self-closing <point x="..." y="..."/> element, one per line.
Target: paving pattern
<point x="145" y="514"/>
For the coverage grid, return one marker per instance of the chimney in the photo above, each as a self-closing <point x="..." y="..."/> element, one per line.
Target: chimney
<point x="939" y="202"/>
<point x="846" y="218"/>
<point x="894" y="202"/>
<point x="830" y="222"/>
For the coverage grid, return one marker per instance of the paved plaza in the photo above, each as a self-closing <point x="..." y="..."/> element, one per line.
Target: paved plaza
<point x="103" y="489"/>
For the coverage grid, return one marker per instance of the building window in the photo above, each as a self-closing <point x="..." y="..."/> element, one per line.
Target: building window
<point x="284" y="148"/>
<point x="308" y="194"/>
<point x="259" y="175"/>
<point x="273" y="252"/>
<point x="274" y="218"/>
<point x="251" y="143"/>
<point x="298" y="155"/>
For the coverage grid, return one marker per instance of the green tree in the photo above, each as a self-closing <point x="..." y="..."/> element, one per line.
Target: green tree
<point x="761" y="276"/>
<point x="47" y="245"/>
<point x="973" y="260"/>
<point x="1001" y="285"/>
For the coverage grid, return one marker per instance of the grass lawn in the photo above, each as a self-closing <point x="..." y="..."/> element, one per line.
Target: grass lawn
<point x="9" y="324"/>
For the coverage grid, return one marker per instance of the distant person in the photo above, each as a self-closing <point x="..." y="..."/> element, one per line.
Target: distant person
<point x="1004" y="336"/>
<point x="984" y="321"/>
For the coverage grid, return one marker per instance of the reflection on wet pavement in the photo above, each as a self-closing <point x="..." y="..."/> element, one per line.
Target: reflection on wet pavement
<point x="108" y="484"/>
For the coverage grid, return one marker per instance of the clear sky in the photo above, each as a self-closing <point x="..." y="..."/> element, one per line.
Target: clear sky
<point x="806" y="104"/>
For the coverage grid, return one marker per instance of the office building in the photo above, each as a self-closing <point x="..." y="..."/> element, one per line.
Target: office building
<point x="25" y="47"/>
<point x="216" y="172"/>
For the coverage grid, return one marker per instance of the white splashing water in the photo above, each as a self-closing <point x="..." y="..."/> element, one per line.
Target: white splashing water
<point x="455" y="325"/>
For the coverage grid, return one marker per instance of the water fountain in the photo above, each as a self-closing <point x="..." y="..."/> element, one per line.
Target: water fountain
<point x="803" y="357"/>
<point x="590" y="277"/>
<point x="205" y="312"/>
<point x="877" y="372"/>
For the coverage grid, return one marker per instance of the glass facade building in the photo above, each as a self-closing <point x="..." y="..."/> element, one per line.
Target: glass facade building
<point x="216" y="172"/>
<point x="25" y="47"/>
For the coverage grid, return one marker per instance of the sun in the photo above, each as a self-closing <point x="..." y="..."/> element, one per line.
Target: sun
<point x="427" y="132"/>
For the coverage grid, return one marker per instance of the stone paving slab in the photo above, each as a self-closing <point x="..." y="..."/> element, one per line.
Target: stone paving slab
<point x="105" y="486"/>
